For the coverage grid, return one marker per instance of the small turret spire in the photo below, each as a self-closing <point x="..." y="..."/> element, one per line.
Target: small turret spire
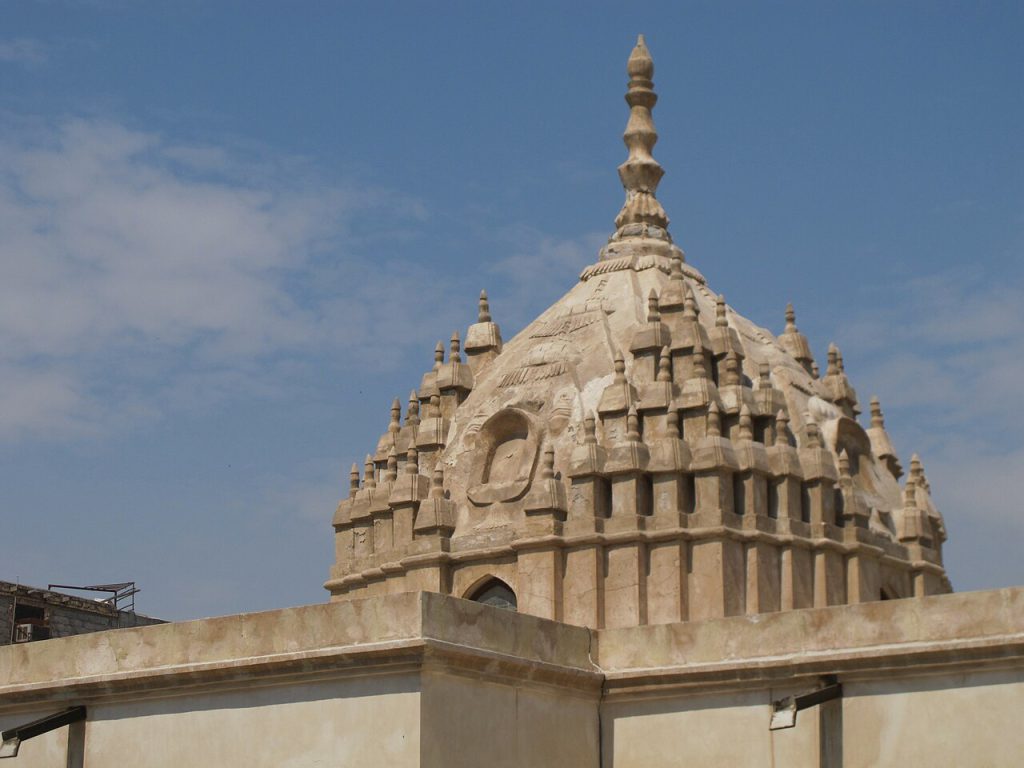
<point x="813" y="433"/>
<point x="700" y="371"/>
<point x="676" y="267"/>
<point x="484" y="313"/>
<point x="632" y="425"/>
<point x="641" y="173"/>
<point x="732" y="369"/>
<point x="844" y="464"/>
<point x="620" y="368"/>
<point x="790" y="319"/>
<point x="714" y="421"/>
<point x="796" y="343"/>
<point x="455" y="355"/>
<point x="396" y="416"/>
<point x="664" y="366"/>
<point x="690" y="305"/>
<point x="746" y="431"/>
<point x="412" y="415"/>
<point x="353" y="480"/>
<point x="781" y="428"/>
<point x="547" y="468"/>
<point x="833" y="360"/>
<point x="672" y="428"/>
<point x="437" y="482"/>
<point x="392" y="473"/>
<point x="369" y="474"/>
<point x="877" y="419"/>
<point x="653" y="311"/>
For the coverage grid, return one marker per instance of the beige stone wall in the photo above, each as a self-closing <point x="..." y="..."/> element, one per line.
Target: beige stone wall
<point x="957" y="719"/>
<point x="936" y="682"/>
<point x="46" y="751"/>
<point x="468" y="723"/>
<point x="425" y="680"/>
<point x="371" y="721"/>
<point x="727" y="729"/>
<point x="405" y="680"/>
<point x="950" y="720"/>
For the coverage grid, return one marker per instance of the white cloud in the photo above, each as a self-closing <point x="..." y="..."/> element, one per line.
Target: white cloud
<point x="23" y="51"/>
<point x="951" y="342"/>
<point x="946" y="355"/>
<point x="136" y="272"/>
<point x="539" y="269"/>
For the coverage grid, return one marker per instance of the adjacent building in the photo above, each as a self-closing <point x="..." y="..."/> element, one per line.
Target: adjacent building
<point x="29" y="614"/>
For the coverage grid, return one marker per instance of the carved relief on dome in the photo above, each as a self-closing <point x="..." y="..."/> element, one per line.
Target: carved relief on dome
<point x="545" y="360"/>
<point x="564" y="410"/>
<point x="504" y="457"/>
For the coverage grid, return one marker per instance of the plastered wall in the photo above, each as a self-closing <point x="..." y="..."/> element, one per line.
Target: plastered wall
<point x="956" y="720"/>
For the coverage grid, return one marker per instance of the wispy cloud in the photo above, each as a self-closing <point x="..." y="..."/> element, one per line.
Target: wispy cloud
<point x="946" y="354"/>
<point x="952" y="342"/>
<point x="23" y="50"/>
<point x="540" y="267"/>
<point x="137" y="273"/>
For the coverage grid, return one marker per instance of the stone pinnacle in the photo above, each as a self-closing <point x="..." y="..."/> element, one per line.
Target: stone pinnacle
<point x="640" y="173"/>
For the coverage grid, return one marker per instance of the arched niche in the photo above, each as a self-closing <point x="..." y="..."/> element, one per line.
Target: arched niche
<point x="895" y="585"/>
<point x="504" y="457"/>
<point x="851" y="437"/>
<point x="494" y="592"/>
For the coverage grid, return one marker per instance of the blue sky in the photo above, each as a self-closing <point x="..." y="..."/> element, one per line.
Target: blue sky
<point x="231" y="233"/>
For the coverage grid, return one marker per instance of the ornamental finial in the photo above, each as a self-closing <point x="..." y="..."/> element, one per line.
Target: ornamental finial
<point x="640" y="173"/>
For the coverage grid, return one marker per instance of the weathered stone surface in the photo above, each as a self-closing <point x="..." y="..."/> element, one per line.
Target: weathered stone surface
<point x="642" y="346"/>
<point x="427" y="680"/>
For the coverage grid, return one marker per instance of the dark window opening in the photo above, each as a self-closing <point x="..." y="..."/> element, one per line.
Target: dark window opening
<point x="497" y="593"/>
<point x="690" y="501"/>
<point x="29" y="614"/>
<point x="805" y="504"/>
<point x="739" y="495"/>
<point x="773" y="500"/>
<point x="645" y="496"/>
<point x="602" y="497"/>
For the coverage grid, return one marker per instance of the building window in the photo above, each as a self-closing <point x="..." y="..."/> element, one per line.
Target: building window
<point x="497" y="593"/>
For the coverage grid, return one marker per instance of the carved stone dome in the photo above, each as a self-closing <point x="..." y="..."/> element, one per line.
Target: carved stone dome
<point x="639" y="453"/>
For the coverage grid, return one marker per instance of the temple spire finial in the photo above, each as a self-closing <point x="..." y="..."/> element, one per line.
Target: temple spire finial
<point x="640" y="173"/>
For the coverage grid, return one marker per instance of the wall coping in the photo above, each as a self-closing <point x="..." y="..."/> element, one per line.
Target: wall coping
<point x="431" y="632"/>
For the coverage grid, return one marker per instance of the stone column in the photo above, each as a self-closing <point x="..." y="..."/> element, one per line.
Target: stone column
<point x="589" y="503"/>
<point x="717" y="582"/>
<point x="539" y="558"/>
<point x="626" y="562"/>
<point x="409" y="490"/>
<point x="820" y="477"/>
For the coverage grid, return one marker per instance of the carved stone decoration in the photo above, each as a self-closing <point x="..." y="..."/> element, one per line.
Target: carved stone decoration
<point x="694" y="465"/>
<point x="504" y="459"/>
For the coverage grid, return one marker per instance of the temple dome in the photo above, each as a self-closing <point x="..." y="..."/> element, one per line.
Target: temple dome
<point x="639" y="453"/>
